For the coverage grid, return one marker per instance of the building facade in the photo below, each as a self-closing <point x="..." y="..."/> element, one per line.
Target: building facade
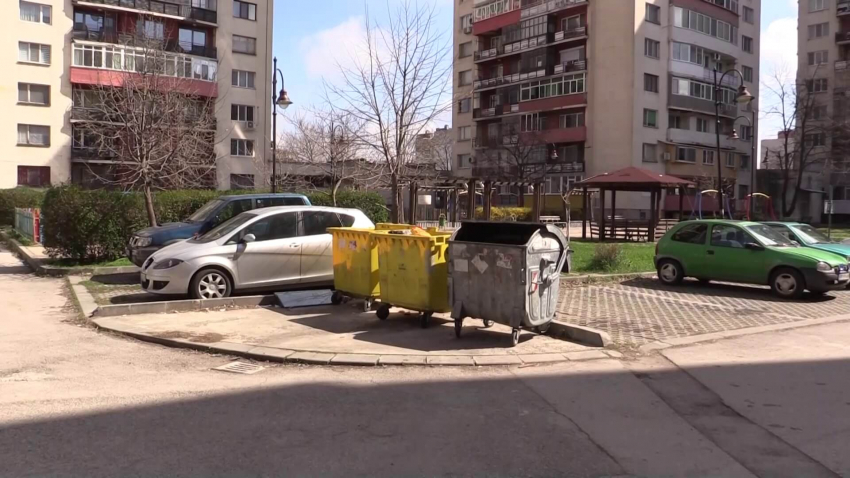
<point x="576" y="88"/>
<point x="56" y="49"/>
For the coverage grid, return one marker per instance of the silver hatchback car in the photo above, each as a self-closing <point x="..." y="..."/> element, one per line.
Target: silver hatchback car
<point x="285" y="247"/>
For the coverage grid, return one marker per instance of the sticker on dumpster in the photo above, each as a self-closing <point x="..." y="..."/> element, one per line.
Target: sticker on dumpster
<point x="342" y="244"/>
<point x="479" y="264"/>
<point x="461" y="265"/>
<point x="352" y="245"/>
<point x="505" y="262"/>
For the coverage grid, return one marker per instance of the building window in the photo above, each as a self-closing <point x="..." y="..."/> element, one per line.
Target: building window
<point x="650" y="118"/>
<point x="686" y="155"/>
<point x="749" y="15"/>
<point x="36" y="13"/>
<point x="572" y="120"/>
<point x="652" y="48"/>
<point x="650" y="153"/>
<point x="703" y="91"/>
<point x="746" y="132"/>
<point x="819" y="30"/>
<point x="464" y="161"/>
<point x="150" y="29"/>
<point x="30" y="94"/>
<point x="707" y="156"/>
<point x="653" y="13"/>
<point x="747" y="72"/>
<point x="34" y="53"/>
<point x="464" y="105"/>
<point x="241" y="113"/>
<point x="746" y="44"/>
<point x="464" y="133"/>
<point x="743" y="191"/>
<point x="818" y="85"/>
<point x="817" y="5"/>
<point x="465" y="50"/>
<point x="745" y="162"/>
<point x="245" y="10"/>
<point x="531" y="122"/>
<point x="466" y="22"/>
<point x="684" y="18"/>
<point x="730" y="160"/>
<point x="241" y="147"/>
<point x="675" y="121"/>
<point x="814" y="140"/>
<point x="820" y="57"/>
<point x="241" y="181"/>
<point x="243" y="79"/>
<point x="564" y="85"/>
<point x="650" y="83"/>
<point x="245" y="45"/>
<point x="464" y="78"/>
<point x="33" y="135"/>
<point x="819" y="112"/>
<point x="34" y="176"/>
<point x="702" y="125"/>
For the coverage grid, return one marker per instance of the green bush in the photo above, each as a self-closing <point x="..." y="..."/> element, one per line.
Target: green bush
<point x="372" y="204"/>
<point x="513" y="214"/>
<point x="606" y="257"/>
<point x="17" y="197"/>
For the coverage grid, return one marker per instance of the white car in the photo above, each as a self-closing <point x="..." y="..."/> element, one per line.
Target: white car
<point x="285" y="247"/>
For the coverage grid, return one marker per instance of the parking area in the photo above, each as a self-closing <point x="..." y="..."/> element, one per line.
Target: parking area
<point x="639" y="311"/>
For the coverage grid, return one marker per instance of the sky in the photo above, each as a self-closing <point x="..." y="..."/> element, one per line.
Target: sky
<point x="310" y="38"/>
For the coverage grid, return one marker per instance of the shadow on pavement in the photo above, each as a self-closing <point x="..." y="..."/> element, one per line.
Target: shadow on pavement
<point x="722" y="289"/>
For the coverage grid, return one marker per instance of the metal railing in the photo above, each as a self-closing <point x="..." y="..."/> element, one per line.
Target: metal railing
<point x="568" y="66"/>
<point x="542" y="6"/>
<point x="28" y="223"/>
<point x="494" y="9"/>
<point x="195" y="10"/>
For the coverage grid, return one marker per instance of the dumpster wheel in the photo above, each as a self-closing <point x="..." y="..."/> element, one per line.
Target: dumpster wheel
<point x="425" y="319"/>
<point x="458" y="327"/>
<point x="367" y="305"/>
<point x="543" y="329"/>
<point x="336" y="298"/>
<point x="383" y="312"/>
<point x="515" y="336"/>
<point x="488" y="323"/>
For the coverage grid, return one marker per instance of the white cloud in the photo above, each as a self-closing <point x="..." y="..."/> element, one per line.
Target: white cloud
<point x="325" y="50"/>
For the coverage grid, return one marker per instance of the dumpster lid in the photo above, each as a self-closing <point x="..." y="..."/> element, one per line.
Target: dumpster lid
<point x="507" y="233"/>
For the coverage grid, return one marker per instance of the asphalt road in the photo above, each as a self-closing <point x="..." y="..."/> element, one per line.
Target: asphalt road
<point x="75" y="402"/>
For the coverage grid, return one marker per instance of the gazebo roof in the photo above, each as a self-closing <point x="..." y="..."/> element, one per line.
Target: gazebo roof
<point x="634" y="179"/>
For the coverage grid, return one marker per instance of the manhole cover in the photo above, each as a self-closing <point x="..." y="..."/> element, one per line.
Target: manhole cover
<point x="240" y="367"/>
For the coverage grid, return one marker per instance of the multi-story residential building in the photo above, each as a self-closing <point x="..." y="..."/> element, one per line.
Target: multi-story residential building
<point x="575" y="88"/>
<point x="56" y="49"/>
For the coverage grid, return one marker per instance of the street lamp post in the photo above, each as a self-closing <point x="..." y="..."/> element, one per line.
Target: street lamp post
<point x="734" y="135"/>
<point x="282" y="100"/>
<point x="744" y="97"/>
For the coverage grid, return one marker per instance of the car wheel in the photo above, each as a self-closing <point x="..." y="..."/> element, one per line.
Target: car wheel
<point x="787" y="283"/>
<point x="670" y="272"/>
<point x="210" y="284"/>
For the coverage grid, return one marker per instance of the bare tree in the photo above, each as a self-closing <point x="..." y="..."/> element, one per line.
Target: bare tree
<point x="799" y="110"/>
<point x="436" y="148"/>
<point x="323" y="143"/>
<point x="150" y="118"/>
<point x="523" y="155"/>
<point x="399" y="88"/>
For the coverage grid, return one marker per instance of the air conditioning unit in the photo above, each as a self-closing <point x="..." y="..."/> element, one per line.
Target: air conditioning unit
<point x="467" y="29"/>
<point x="249" y="124"/>
<point x="666" y="157"/>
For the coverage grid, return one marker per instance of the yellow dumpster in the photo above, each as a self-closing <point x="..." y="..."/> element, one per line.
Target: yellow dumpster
<point x="355" y="263"/>
<point x="413" y="272"/>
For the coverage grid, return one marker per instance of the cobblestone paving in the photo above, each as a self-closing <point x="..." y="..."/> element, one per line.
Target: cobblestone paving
<point x="640" y="311"/>
<point x="121" y="294"/>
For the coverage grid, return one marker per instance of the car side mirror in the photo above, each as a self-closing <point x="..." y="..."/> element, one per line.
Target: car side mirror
<point x="753" y="246"/>
<point x="248" y="238"/>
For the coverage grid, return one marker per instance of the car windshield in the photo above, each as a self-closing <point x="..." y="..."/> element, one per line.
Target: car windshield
<point x="769" y="237"/>
<point x="225" y="228"/>
<point x="206" y="211"/>
<point x="811" y="235"/>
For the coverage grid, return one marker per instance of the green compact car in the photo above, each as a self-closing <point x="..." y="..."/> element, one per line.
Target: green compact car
<point x="808" y="236"/>
<point x="749" y="253"/>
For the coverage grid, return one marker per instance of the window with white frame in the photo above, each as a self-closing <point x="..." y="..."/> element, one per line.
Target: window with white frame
<point x="241" y="147"/>
<point x="130" y="59"/>
<point x="246" y="45"/>
<point x="571" y="120"/>
<point x="650" y="153"/>
<point x="686" y="155"/>
<point x="34" y="53"/>
<point x="817" y="85"/>
<point x="820" y="57"/>
<point x="243" y="79"/>
<point x="818" y="30"/>
<point x="151" y="29"/>
<point x="465" y="50"/>
<point x="464" y="133"/>
<point x="33" y="135"/>
<point x="464" y="105"/>
<point x="653" y="13"/>
<point x="684" y="18"/>
<point x="531" y="122"/>
<point x="652" y="48"/>
<point x="749" y="15"/>
<point x="746" y="44"/>
<point x="650" y="83"/>
<point x="245" y="10"/>
<point x="36" y="12"/>
<point x="817" y="5"/>
<point x="675" y="121"/>
<point x="702" y="125"/>
<point x="703" y="91"/>
<point x="730" y="160"/>
<point x="464" y="161"/>
<point x="32" y="94"/>
<point x="563" y="85"/>
<point x="650" y="118"/>
<point x="747" y="72"/>
<point x="746" y="132"/>
<point x="466" y="22"/>
<point x="241" y="113"/>
<point x="707" y="157"/>
<point x="813" y="140"/>
<point x="464" y="78"/>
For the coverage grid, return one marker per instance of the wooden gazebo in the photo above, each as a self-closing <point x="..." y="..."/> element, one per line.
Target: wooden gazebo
<point x="631" y="179"/>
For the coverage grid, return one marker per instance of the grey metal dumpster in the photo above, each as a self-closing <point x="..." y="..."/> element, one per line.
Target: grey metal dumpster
<point x="507" y="273"/>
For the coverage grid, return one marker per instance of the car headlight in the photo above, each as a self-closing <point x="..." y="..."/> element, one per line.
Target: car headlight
<point x="824" y="267"/>
<point x="168" y="264"/>
<point x="143" y="241"/>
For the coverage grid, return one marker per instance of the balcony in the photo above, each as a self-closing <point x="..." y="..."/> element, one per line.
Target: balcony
<point x="697" y="138"/>
<point x="843" y="7"/>
<point x="550" y="39"/>
<point x="199" y="10"/>
<point x="570" y="66"/>
<point x="570" y="34"/>
<point x="507" y="79"/>
<point x="483" y="113"/>
<point x="85" y="154"/>
<point x="494" y="9"/>
<point x="540" y="7"/>
<point x="690" y="103"/>
<point x="842" y="38"/>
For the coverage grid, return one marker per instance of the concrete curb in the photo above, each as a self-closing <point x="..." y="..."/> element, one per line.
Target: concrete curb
<point x="168" y="306"/>
<point x="51" y="271"/>
<point x="577" y="333"/>
<point x="591" y="278"/>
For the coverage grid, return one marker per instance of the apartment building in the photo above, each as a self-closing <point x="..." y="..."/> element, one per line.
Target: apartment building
<point x="582" y="87"/>
<point x="57" y="49"/>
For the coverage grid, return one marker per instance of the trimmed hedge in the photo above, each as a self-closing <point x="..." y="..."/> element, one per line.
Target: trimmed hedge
<point x="519" y="214"/>
<point x="17" y="197"/>
<point x="95" y="225"/>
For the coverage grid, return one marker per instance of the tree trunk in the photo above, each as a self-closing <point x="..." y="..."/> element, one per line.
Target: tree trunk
<point x="783" y="193"/>
<point x="395" y="209"/>
<point x="149" y="206"/>
<point x="334" y="189"/>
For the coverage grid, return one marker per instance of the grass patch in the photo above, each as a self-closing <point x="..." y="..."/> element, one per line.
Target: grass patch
<point x="71" y="263"/>
<point x="838" y="233"/>
<point x="634" y="257"/>
<point x="14" y="234"/>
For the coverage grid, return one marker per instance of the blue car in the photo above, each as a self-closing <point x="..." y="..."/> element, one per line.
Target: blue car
<point x="808" y="236"/>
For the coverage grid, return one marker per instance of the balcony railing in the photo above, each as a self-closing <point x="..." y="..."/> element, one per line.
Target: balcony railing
<point x="842" y="65"/>
<point x="531" y="43"/>
<point x="574" y="65"/>
<point x="494" y="9"/>
<point x="507" y="79"/>
<point x="495" y="111"/>
<point x="572" y="33"/>
<point x="542" y="6"/>
<point x="842" y="7"/>
<point x="202" y="10"/>
<point x="842" y="37"/>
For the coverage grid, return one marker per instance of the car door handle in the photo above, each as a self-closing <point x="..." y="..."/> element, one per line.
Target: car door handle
<point x="293" y="246"/>
<point x="710" y="253"/>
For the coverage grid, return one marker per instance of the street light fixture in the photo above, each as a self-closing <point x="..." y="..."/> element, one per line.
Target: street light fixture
<point x="734" y="135"/>
<point x="744" y="97"/>
<point x="281" y="100"/>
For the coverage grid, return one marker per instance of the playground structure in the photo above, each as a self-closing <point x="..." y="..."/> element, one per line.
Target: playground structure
<point x="751" y="200"/>
<point x="696" y="212"/>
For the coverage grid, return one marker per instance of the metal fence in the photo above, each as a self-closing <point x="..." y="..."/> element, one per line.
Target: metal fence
<point x="28" y="223"/>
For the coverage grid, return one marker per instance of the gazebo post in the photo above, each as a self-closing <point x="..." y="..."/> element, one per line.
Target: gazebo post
<point x="470" y="200"/>
<point x="585" y="204"/>
<point x="658" y="205"/>
<point x="681" y="202"/>
<point x="454" y="198"/>
<point x="613" y="214"/>
<point x="602" y="216"/>
<point x="488" y="189"/>
<point x="651" y="231"/>
<point x="536" y="210"/>
<point x="413" y="196"/>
